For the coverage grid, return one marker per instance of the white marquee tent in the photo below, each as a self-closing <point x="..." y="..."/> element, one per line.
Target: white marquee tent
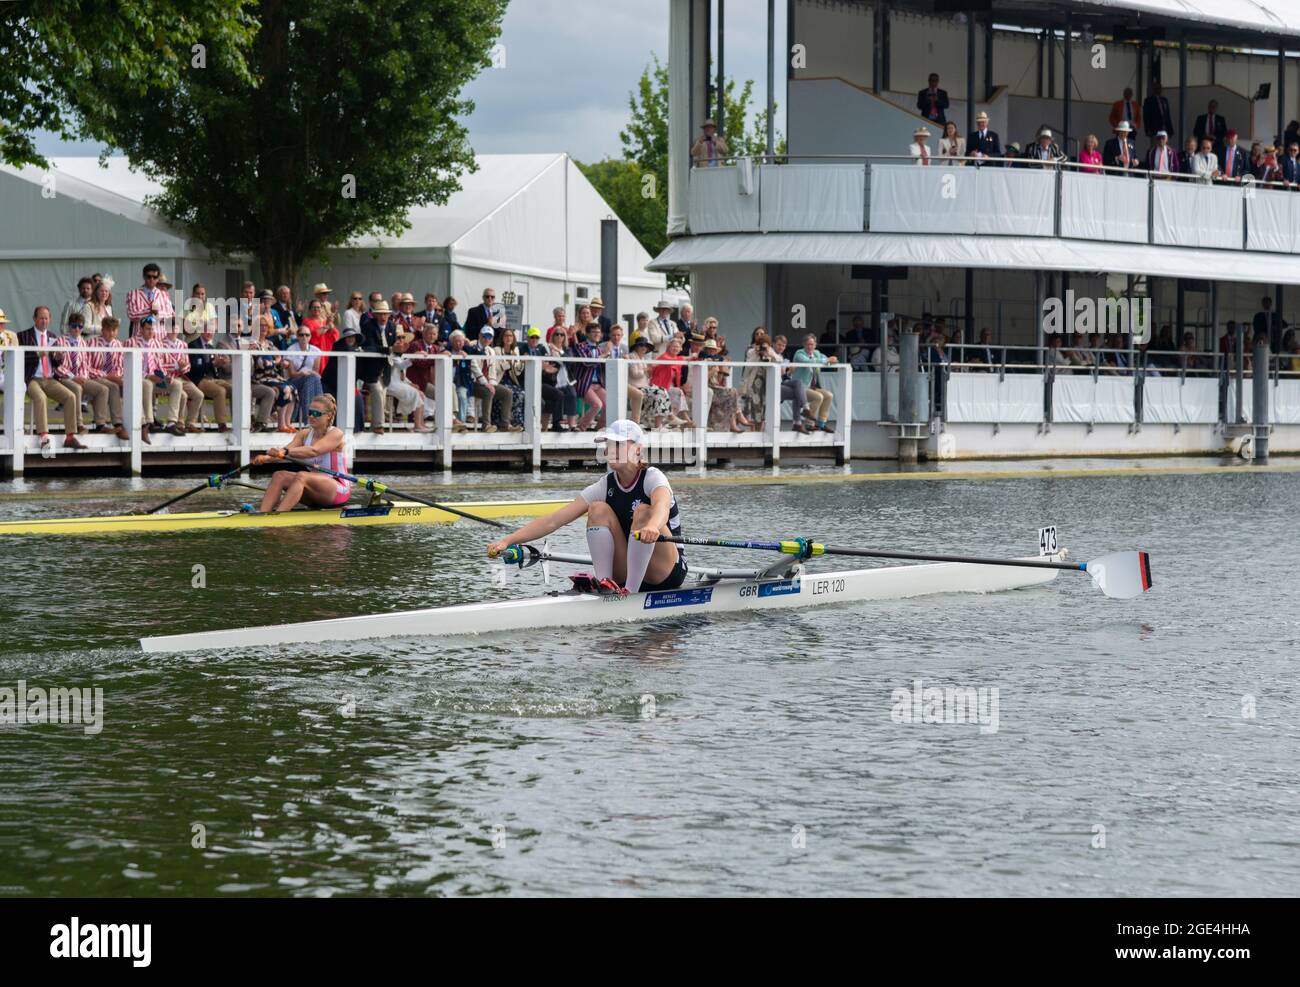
<point x="528" y="223"/>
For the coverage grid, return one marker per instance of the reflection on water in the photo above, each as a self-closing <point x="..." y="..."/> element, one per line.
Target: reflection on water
<point x="677" y="757"/>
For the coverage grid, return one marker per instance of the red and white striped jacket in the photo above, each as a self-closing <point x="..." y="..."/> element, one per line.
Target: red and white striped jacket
<point x="173" y="359"/>
<point x="150" y="358"/>
<point x="139" y="304"/>
<point x="103" y="364"/>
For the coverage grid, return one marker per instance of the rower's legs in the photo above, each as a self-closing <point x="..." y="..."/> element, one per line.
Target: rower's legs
<point x="648" y="563"/>
<point x="279" y="481"/>
<point x="605" y="542"/>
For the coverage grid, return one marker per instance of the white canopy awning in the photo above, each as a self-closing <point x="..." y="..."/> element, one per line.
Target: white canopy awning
<point x="983" y="252"/>
<point x="1270" y="16"/>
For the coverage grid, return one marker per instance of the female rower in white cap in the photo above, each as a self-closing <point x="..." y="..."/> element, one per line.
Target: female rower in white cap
<point x="627" y="509"/>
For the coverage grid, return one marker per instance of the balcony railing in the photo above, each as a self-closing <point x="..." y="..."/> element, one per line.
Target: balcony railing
<point x="1010" y="197"/>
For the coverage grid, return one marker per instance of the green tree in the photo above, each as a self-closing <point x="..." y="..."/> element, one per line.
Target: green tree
<point x="333" y="120"/>
<point x="642" y="204"/>
<point x="53" y="50"/>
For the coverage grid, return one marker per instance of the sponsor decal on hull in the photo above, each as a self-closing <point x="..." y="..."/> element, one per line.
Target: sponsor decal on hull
<point x="678" y="597"/>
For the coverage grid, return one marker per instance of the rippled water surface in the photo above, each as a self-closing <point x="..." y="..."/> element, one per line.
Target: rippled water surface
<point x="767" y="761"/>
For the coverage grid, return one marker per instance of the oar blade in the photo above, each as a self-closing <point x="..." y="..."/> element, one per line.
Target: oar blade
<point x="1121" y="575"/>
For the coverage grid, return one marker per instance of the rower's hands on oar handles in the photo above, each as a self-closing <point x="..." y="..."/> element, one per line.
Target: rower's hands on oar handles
<point x="647" y="535"/>
<point x="272" y="455"/>
<point x="497" y="547"/>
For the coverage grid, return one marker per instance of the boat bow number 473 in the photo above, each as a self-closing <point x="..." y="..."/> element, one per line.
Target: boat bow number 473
<point x="785" y="584"/>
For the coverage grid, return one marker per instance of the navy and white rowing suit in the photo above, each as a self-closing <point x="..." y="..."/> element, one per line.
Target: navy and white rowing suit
<point x="625" y="500"/>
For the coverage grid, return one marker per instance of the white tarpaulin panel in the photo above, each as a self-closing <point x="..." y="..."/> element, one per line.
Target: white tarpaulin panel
<point x="1190" y="401"/>
<point x="1104" y="400"/>
<point x="1273" y="221"/>
<point x="1014" y="201"/>
<point x="1197" y="214"/>
<point x="1011" y="253"/>
<point x="1286" y="402"/>
<point x="866" y="396"/>
<point x="912" y="199"/>
<point x="1104" y="207"/>
<point x="976" y="397"/>
<point x="716" y="204"/>
<point x="826" y="198"/>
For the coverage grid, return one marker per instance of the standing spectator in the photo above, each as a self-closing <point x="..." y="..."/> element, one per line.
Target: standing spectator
<point x="352" y="314"/>
<point x="487" y="314"/>
<point x="753" y="381"/>
<point x="686" y="319"/>
<point x="432" y="312"/>
<point x="1210" y="124"/>
<point x="328" y="310"/>
<point x="1156" y="115"/>
<point x="952" y="146"/>
<point x="40" y="370"/>
<point x="322" y="332"/>
<point x="404" y="317"/>
<point x="983" y="143"/>
<point x="1232" y="160"/>
<point x="932" y="102"/>
<point x="210" y="373"/>
<point x="1126" y="109"/>
<point x="709" y="150"/>
<point x="377" y="338"/>
<point x="199" y="314"/>
<point x="1044" y="150"/>
<point x="1090" y="156"/>
<point x="615" y="346"/>
<point x="283" y="310"/>
<point x="149" y="299"/>
<point x="80" y="304"/>
<point x="1267" y="324"/>
<point x="450" y="317"/>
<point x="1206" y="163"/>
<point x="920" y="146"/>
<point x="597" y="307"/>
<point x="1290" y="164"/>
<point x="1119" y="151"/>
<point x="1187" y="160"/>
<point x="1269" y="170"/>
<point x="1163" y="159"/>
<point x="667" y="328"/>
<point x="101" y="304"/>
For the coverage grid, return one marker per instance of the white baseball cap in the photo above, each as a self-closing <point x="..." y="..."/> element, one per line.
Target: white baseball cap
<point x="622" y="430"/>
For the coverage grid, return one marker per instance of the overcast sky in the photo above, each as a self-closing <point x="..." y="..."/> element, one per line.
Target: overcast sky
<point x="569" y="66"/>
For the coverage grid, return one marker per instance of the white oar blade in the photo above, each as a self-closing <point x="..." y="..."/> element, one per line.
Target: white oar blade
<point x="1121" y="575"/>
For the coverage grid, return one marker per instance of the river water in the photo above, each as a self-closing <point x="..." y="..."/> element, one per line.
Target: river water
<point x="1146" y="747"/>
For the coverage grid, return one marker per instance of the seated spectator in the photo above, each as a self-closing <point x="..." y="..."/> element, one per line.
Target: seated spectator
<point x="724" y="407"/>
<point x="1163" y="351"/>
<point x="421" y="372"/>
<point x="564" y="413"/>
<point x="1012" y="153"/>
<point x="1162" y="159"/>
<point x="1187" y="160"/>
<point x="495" y="403"/>
<point x="508" y="372"/>
<point x="302" y="362"/>
<point x="1255" y="159"/>
<point x="1187" y="358"/>
<point x="1268" y="170"/>
<point x="984" y="354"/>
<point x="1090" y="156"/>
<point x="952" y="146"/>
<point x="792" y="388"/>
<point x="920" y="146"/>
<point x="1293" y="364"/>
<point x="406" y="397"/>
<point x="1057" y="358"/>
<point x="820" y="400"/>
<point x="1113" y="359"/>
<point x="669" y="373"/>
<point x="271" y="387"/>
<point x="888" y="354"/>
<point x="210" y="373"/>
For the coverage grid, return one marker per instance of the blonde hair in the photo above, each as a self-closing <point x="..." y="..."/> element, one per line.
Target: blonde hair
<point x="330" y="404"/>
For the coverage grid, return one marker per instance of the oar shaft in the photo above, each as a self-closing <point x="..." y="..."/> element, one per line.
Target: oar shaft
<point x="213" y="481"/>
<point x="808" y="549"/>
<point x="380" y="488"/>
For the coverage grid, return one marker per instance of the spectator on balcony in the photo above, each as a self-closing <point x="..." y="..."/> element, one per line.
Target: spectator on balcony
<point x="107" y="368"/>
<point x="983" y="143"/>
<point x="1254" y="158"/>
<point x="565" y="412"/>
<point x="1212" y="125"/>
<point x="666" y="326"/>
<point x="78" y="371"/>
<point x="932" y="102"/>
<point x="1268" y="170"/>
<point x="1090" y="156"/>
<point x="487" y="314"/>
<point x="1187" y="160"/>
<point x="302" y="362"/>
<point x="614" y="346"/>
<point x="1078" y="355"/>
<point x="100" y="306"/>
<point x="41" y="371"/>
<point x="349" y="341"/>
<point x="1126" y="109"/>
<point x="668" y="372"/>
<point x="1012" y="155"/>
<point x="154" y="364"/>
<point x="494" y="401"/>
<point x="753" y="380"/>
<point x="1044" y="150"/>
<point x="450" y="317"/>
<point x="352" y="313"/>
<point x="807" y="361"/>
<point x="1233" y="163"/>
<point x="1188" y="359"/>
<point x="377" y="338"/>
<point x="1163" y="159"/>
<point x="1156" y="114"/>
<point x="710" y="149"/>
<point x="421" y="373"/>
<point x="983" y="355"/>
<point x="407" y="398"/>
<point x="283" y="310"/>
<point x="952" y="146"/>
<point x="270" y="373"/>
<point x="1290" y="164"/>
<point x="508" y="372"/>
<point x="1119" y="151"/>
<point x="1206" y="162"/>
<point x="589" y="378"/>
<point x="920" y="146"/>
<point x="1267" y="323"/>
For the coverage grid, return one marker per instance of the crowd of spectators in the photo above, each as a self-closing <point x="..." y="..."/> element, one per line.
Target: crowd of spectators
<point x="78" y="363"/>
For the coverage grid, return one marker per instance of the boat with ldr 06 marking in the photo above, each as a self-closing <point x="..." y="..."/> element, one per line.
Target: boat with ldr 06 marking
<point x="784" y="585"/>
<point x="381" y="509"/>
